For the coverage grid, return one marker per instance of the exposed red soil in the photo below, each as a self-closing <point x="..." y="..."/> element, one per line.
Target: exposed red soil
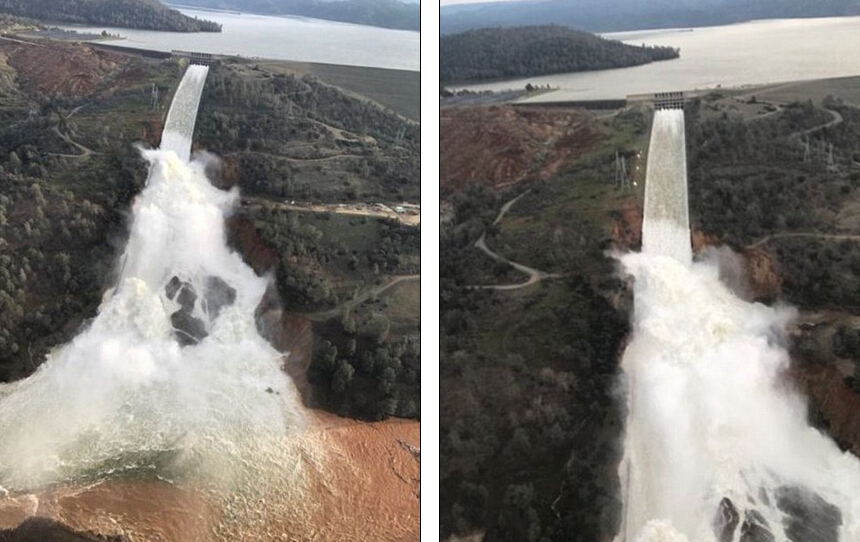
<point x="702" y="240"/>
<point x="370" y="486"/>
<point x="503" y="145"/>
<point x="626" y="230"/>
<point x="765" y="283"/>
<point x="242" y="234"/>
<point x="825" y="386"/>
<point x="763" y="280"/>
<point x="66" y="69"/>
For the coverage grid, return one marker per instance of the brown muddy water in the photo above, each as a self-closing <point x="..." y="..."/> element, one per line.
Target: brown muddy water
<point x="349" y="481"/>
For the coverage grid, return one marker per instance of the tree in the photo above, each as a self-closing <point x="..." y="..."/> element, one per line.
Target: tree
<point x="387" y="380"/>
<point x="377" y="327"/>
<point x="14" y="161"/>
<point x="342" y="376"/>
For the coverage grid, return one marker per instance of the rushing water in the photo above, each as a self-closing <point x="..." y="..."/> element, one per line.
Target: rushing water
<point x="717" y="446"/>
<point x="283" y="38"/>
<point x="171" y="379"/>
<point x="740" y="54"/>
<point x="667" y="230"/>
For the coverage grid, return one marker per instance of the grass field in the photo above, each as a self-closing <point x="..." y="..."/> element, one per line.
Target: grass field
<point x="402" y="304"/>
<point x="398" y="90"/>
<point x="846" y="88"/>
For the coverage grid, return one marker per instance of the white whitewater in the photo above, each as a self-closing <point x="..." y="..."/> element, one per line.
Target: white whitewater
<point x="717" y="446"/>
<point x="171" y="378"/>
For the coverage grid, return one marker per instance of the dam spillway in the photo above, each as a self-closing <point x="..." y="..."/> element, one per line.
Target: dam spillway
<point x="182" y="116"/>
<point x="666" y="223"/>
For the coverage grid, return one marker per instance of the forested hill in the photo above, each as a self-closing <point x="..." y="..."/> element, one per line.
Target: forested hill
<point x="145" y="14"/>
<point x="383" y="13"/>
<point x="501" y="53"/>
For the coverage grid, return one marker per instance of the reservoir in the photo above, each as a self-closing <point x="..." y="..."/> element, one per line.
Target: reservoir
<point x="282" y="38"/>
<point x="750" y="53"/>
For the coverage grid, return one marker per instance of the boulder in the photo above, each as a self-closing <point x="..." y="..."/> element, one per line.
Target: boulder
<point x="809" y="518"/>
<point x="755" y="528"/>
<point x="188" y="328"/>
<point x="219" y="294"/>
<point x="182" y="292"/>
<point x="726" y="520"/>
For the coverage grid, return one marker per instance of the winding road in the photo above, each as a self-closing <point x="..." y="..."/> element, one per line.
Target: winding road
<point x="535" y="275"/>
<point x="779" y="109"/>
<point x="331" y="313"/>
<point x="837" y="119"/>
<point x="837" y="237"/>
<point x="85" y="151"/>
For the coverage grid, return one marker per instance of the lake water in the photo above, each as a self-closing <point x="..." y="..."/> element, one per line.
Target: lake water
<point x="756" y="52"/>
<point x="283" y="38"/>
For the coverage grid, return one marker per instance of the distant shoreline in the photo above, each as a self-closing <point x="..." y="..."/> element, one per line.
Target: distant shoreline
<point x="199" y="8"/>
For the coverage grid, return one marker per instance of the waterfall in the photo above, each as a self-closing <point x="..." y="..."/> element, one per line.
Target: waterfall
<point x="171" y="378"/>
<point x="717" y="448"/>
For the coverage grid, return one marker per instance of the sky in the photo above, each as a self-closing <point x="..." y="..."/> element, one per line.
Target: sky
<point x="452" y="2"/>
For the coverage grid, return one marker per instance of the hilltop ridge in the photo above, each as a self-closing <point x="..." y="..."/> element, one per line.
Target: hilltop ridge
<point x="143" y="14"/>
<point x="525" y="51"/>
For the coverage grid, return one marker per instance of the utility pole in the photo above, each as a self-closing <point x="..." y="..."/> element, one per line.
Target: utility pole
<point x="154" y="102"/>
<point x="621" y="178"/>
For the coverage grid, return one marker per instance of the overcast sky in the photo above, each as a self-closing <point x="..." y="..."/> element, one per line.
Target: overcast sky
<point x="451" y="2"/>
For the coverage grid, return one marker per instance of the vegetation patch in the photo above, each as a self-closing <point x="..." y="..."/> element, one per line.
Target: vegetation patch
<point x="145" y="14"/>
<point x="525" y="51"/>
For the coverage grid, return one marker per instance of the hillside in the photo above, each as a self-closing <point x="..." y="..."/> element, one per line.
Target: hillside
<point x="499" y="53"/>
<point x="143" y="14"/>
<point x="614" y="15"/>
<point x="383" y="13"/>
<point x="530" y="428"/>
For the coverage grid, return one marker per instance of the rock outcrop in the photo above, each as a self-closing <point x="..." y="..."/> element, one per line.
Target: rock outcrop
<point x="218" y="295"/>
<point x="188" y="329"/>
<point x="38" y="529"/>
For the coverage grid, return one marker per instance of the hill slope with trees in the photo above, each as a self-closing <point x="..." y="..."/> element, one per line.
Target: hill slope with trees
<point x="498" y="53"/>
<point x="383" y="13"/>
<point x="144" y="14"/>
